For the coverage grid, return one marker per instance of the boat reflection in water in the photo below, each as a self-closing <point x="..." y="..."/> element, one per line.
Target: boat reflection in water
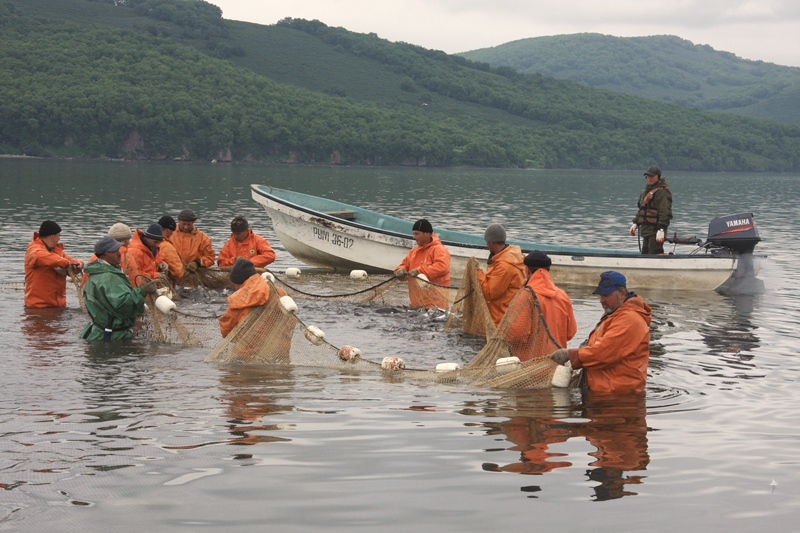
<point x="615" y="425"/>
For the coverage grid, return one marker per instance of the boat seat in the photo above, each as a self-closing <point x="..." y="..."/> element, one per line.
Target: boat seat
<point x="346" y="215"/>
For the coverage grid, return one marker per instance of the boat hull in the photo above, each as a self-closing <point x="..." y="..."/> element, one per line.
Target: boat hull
<point x="319" y="238"/>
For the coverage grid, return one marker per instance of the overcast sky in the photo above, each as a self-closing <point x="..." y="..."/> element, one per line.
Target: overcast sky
<point x="768" y="30"/>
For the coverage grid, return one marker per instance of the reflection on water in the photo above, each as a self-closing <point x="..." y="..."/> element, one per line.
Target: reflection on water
<point x="614" y="425"/>
<point x="150" y="436"/>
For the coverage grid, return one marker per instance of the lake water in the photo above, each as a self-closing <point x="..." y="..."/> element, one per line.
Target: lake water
<point x="148" y="437"/>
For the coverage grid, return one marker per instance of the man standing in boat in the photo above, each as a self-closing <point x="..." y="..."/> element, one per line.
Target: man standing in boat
<point x="615" y="356"/>
<point x="505" y="274"/>
<point x="655" y="212"/>
<point x="430" y="259"/>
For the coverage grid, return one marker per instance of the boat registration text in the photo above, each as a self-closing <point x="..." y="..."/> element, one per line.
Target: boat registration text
<point x="333" y="238"/>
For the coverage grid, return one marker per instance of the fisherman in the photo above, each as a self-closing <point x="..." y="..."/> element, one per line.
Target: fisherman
<point x="505" y="274"/>
<point x="615" y="356"/>
<point x="112" y="303"/>
<point x="193" y="246"/>
<point x="430" y="258"/>
<point x="46" y="267"/>
<point x="143" y="257"/>
<point x="553" y="301"/>
<point x="169" y="255"/>
<point x="122" y="234"/>
<point x="244" y="242"/>
<point x="655" y="212"/>
<point x="251" y="291"/>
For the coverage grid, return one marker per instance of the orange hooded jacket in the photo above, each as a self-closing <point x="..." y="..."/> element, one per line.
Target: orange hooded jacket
<point x="253" y="293"/>
<point x="254" y="247"/>
<point x="616" y="355"/>
<point x="44" y="287"/>
<point x="555" y="305"/>
<point x="192" y="246"/>
<point x="140" y="262"/>
<point x="170" y="256"/>
<point x="502" y="280"/>
<point x="433" y="260"/>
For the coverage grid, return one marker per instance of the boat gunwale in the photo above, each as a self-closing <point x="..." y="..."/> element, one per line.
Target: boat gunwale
<point x="525" y="246"/>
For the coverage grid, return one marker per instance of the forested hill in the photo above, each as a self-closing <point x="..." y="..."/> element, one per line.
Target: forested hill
<point x="172" y="79"/>
<point x="663" y="67"/>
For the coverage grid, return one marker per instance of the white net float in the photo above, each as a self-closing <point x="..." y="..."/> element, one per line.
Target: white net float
<point x="507" y="364"/>
<point x="358" y="274"/>
<point x="349" y="353"/>
<point x="267" y="276"/>
<point x="448" y="367"/>
<point x="392" y="363"/>
<point x="562" y="376"/>
<point x="422" y="276"/>
<point x="288" y="305"/>
<point x="293" y="272"/>
<point x="315" y="335"/>
<point x="165" y="305"/>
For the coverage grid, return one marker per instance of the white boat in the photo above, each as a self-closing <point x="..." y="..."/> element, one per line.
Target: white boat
<point x="327" y="233"/>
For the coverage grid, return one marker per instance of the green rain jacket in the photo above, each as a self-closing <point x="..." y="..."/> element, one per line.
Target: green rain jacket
<point x="111" y="302"/>
<point x="655" y="209"/>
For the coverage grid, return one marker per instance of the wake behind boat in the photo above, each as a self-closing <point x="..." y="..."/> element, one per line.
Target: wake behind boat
<point x="327" y="233"/>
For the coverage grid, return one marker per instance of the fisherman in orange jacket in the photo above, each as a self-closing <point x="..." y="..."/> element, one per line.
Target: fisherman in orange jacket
<point x="193" y="246"/>
<point x="555" y="304"/>
<point x="430" y="258"/>
<point x="615" y="356"/>
<point x="505" y="275"/>
<point x="143" y="257"/>
<point x="169" y="255"/>
<point x="46" y="266"/>
<point x="251" y="291"/>
<point x="243" y="242"/>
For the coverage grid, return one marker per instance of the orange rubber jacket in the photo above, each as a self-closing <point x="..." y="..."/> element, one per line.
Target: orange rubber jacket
<point x="433" y="260"/>
<point x="253" y="293"/>
<point x="44" y="287"/>
<point x="170" y="256"/>
<point x="502" y="280"/>
<point x="192" y="246"/>
<point x="254" y="247"/>
<point x="616" y="355"/>
<point x="140" y="262"/>
<point x="555" y="305"/>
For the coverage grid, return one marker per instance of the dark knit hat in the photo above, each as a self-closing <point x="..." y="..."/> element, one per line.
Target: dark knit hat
<point x="653" y="171"/>
<point x="155" y="232"/>
<point x="241" y="270"/>
<point x="610" y="281"/>
<point x="106" y="244"/>
<point x="239" y="224"/>
<point x="495" y="233"/>
<point x="167" y="222"/>
<point x="187" y="215"/>
<point x="422" y="225"/>
<point x="48" y="228"/>
<point x="537" y="259"/>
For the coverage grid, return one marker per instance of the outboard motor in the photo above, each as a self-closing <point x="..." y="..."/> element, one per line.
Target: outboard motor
<point x="737" y="233"/>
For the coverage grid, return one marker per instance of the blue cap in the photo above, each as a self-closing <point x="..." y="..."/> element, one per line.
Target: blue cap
<point x="609" y="282"/>
<point x="106" y="244"/>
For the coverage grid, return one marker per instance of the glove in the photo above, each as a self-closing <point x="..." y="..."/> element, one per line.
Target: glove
<point x="400" y="273"/>
<point x="413" y="272"/>
<point x="163" y="268"/>
<point x="660" y="236"/>
<point x="633" y="229"/>
<point x="191" y="267"/>
<point x="149" y="287"/>
<point x="60" y="271"/>
<point x="560" y="356"/>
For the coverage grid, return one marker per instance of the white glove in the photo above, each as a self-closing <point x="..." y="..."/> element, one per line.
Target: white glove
<point x="660" y="236"/>
<point x="633" y="230"/>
